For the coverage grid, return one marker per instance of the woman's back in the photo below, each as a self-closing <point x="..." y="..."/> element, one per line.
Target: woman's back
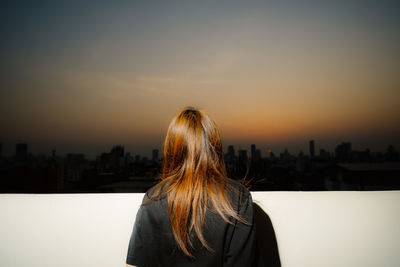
<point x="152" y="242"/>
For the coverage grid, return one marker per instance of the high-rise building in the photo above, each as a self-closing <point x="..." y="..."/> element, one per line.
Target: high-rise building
<point x="258" y="155"/>
<point x="242" y="156"/>
<point x="253" y="152"/>
<point x="286" y="156"/>
<point x="312" y="148"/>
<point x="128" y="158"/>
<point x="343" y="151"/>
<point x="231" y="161"/>
<point x="118" y="151"/>
<point x="155" y="154"/>
<point x="231" y="152"/>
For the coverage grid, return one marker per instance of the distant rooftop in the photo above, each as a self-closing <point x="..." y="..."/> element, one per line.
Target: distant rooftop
<point x="385" y="166"/>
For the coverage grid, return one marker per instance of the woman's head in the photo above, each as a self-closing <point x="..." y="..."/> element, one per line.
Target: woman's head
<point x="193" y="145"/>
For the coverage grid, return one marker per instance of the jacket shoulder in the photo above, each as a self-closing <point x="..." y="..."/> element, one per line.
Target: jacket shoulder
<point x="239" y="193"/>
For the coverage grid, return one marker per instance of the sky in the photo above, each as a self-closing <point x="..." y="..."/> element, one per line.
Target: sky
<point x="82" y="77"/>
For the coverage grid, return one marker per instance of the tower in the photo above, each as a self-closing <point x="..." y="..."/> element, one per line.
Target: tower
<point x="253" y="152"/>
<point x="312" y="148"/>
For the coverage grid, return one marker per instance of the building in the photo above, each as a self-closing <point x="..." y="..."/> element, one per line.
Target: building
<point x="242" y="156"/>
<point x="231" y="152"/>
<point x="323" y="154"/>
<point x="312" y="148"/>
<point x="253" y="152"/>
<point x="362" y="176"/>
<point x="258" y="155"/>
<point x="343" y="152"/>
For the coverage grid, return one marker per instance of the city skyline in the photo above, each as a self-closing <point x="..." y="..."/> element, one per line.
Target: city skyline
<point x="82" y="77"/>
<point x="312" y="149"/>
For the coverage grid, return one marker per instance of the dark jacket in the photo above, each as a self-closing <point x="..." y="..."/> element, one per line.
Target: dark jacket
<point x="152" y="242"/>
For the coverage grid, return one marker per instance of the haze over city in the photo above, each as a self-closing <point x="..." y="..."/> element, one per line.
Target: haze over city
<point x="80" y="77"/>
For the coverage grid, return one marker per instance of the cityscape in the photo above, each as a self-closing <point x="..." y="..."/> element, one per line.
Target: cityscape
<point x="119" y="171"/>
<point x="88" y="90"/>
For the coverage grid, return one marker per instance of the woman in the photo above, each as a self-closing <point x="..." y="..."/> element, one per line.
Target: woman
<point x="195" y="216"/>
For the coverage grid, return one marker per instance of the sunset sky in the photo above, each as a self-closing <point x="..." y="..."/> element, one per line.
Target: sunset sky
<point x="84" y="77"/>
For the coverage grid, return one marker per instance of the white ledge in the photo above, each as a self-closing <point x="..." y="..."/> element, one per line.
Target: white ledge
<point x="348" y="228"/>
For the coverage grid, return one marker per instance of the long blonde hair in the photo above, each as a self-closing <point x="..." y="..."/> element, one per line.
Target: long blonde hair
<point x="194" y="176"/>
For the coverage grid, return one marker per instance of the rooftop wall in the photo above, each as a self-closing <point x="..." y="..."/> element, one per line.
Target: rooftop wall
<point x="311" y="228"/>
